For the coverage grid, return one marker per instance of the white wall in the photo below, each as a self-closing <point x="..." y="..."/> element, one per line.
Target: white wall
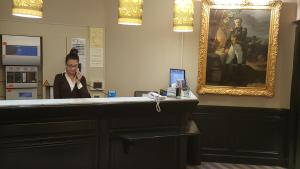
<point x="139" y="58"/>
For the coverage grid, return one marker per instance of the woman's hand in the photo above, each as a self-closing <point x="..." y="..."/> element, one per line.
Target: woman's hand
<point x="78" y="76"/>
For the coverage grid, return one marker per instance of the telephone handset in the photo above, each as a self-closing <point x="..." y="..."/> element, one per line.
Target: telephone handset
<point x="155" y="96"/>
<point x="78" y="74"/>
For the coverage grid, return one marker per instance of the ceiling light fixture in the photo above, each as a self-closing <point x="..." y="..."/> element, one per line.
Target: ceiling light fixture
<point x="183" y="19"/>
<point x="130" y="12"/>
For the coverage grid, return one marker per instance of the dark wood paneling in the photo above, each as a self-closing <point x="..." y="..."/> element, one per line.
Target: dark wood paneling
<point x="48" y="145"/>
<point x="294" y="118"/>
<point x="40" y="128"/>
<point x="152" y="152"/>
<point x="146" y="154"/>
<point x="81" y="136"/>
<point x="145" y="120"/>
<point x="58" y="154"/>
<point x="243" y="135"/>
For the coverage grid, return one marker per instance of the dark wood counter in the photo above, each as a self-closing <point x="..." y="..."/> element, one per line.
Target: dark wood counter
<point x="116" y="133"/>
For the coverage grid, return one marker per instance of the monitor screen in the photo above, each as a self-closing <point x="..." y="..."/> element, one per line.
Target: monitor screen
<point x="176" y="74"/>
<point x="21" y="50"/>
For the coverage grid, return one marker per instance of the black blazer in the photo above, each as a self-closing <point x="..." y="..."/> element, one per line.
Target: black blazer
<point x="62" y="88"/>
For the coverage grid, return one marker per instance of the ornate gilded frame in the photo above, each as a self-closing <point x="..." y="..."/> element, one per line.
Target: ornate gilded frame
<point x="268" y="88"/>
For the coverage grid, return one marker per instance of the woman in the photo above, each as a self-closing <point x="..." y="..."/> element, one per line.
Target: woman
<point x="71" y="83"/>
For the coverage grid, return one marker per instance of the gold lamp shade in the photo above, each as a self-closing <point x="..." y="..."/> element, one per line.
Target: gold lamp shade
<point x="28" y="8"/>
<point x="183" y="20"/>
<point x="243" y="2"/>
<point x="130" y="12"/>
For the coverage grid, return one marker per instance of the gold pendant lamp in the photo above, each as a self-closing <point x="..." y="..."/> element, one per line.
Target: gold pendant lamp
<point x="243" y="2"/>
<point x="183" y="20"/>
<point x="130" y="12"/>
<point x="28" y="8"/>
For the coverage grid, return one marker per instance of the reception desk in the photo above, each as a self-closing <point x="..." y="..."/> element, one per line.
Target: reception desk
<point x="96" y="133"/>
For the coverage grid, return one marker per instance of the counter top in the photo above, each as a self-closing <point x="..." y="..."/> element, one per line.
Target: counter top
<point x="85" y="101"/>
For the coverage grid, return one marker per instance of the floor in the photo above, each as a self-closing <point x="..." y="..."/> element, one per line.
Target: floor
<point x="207" y="165"/>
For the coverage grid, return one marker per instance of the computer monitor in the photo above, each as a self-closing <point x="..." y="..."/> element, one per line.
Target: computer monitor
<point x="176" y="74"/>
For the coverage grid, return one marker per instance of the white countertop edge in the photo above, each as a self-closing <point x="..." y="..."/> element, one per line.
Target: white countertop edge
<point x="85" y="101"/>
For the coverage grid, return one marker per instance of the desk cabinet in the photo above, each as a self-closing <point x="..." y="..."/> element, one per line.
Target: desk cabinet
<point x="48" y="145"/>
<point x="96" y="136"/>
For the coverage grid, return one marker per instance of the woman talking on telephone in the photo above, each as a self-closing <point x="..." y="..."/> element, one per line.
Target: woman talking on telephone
<point x="71" y="83"/>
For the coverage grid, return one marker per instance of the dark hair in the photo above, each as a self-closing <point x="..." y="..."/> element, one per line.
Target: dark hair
<point x="72" y="55"/>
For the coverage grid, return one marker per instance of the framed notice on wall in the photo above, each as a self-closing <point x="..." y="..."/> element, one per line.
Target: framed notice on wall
<point x="96" y="36"/>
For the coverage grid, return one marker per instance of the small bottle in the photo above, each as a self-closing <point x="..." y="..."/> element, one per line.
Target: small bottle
<point x="178" y="92"/>
<point x="178" y="88"/>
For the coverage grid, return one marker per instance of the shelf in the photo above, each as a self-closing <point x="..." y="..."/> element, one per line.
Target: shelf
<point x="142" y="135"/>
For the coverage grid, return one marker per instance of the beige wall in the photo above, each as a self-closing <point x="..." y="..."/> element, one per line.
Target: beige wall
<point x="298" y="9"/>
<point x="66" y="12"/>
<point x="139" y="58"/>
<point x="62" y="21"/>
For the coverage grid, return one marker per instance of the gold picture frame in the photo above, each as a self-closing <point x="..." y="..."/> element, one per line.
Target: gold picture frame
<point x="238" y="48"/>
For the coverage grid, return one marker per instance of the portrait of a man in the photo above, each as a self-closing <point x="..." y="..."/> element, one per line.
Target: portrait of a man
<point x="237" y="47"/>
